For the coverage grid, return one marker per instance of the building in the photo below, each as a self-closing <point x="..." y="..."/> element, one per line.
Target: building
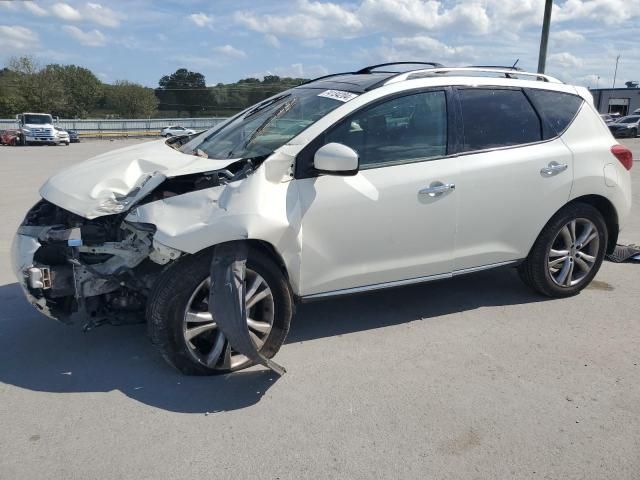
<point x="624" y="101"/>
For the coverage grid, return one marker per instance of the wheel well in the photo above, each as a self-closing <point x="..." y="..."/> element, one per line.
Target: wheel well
<point x="269" y="250"/>
<point x="608" y="211"/>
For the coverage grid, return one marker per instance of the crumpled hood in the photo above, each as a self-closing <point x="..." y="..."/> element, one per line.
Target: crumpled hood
<point x="129" y="173"/>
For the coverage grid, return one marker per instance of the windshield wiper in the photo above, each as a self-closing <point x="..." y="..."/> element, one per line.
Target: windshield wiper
<point x="264" y="105"/>
<point x="284" y="108"/>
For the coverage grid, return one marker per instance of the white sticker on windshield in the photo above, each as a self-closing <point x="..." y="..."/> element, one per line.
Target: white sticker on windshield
<point x="339" y="95"/>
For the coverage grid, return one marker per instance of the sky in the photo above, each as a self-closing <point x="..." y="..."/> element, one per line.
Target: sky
<point x="226" y="40"/>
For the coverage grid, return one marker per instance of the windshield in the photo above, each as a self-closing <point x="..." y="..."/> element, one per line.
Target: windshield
<point x="628" y="120"/>
<point x="37" y="119"/>
<point x="267" y="126"/>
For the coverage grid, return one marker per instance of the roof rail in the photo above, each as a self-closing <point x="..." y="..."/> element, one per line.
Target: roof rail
<point x="370" y="68"/>
<point x="507" y="72"/>
<point x="502" y="67"/>
<point x="325" y="76"/>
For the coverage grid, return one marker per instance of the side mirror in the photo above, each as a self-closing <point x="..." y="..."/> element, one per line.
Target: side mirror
<point x="336" y="159"/>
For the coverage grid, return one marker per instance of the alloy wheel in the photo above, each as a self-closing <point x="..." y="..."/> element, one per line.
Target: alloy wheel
<point x="573" y="252"/>
<point x="206" y="343"/>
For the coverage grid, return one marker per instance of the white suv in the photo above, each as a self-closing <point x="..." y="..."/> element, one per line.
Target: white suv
<point x="349" y="183"/>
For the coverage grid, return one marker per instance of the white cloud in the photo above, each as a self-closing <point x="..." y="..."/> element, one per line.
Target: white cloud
<point x="315" y="19"/>
<point x="89" y="12"/>
<point x="230" y="51"/>
<point x="564" y="60"/>
<point x="90" y="38"/>
<point x="566" y="37"/>
<point x="16" y="37"/>
<point x="35" y="8"/>
<point x="101" y="15"/>
<point x="398" y="15"/>
<point x="296" y="70"/>
<point x="66" y="12"/>
<point x="312" y="20"/>
<point x="201" y="19"/>
<point x="422" y="47"/>
<point x="610" y="12"/>
<point x="272" y="40"/>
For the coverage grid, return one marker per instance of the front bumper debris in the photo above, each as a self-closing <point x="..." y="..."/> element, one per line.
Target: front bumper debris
<point x="227" y="301"/>
<point x="73" y="269"/>
<point x="23" y="249"/>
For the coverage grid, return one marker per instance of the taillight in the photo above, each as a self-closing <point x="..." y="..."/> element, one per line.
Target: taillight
<point x="623" y="154"/>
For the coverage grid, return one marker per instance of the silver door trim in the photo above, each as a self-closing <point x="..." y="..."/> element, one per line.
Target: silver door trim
<point x="400" y="283"/>
<point x="464" y="271"/>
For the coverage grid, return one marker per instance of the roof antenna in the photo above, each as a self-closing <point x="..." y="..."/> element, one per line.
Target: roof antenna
<point x="515" y="63"/>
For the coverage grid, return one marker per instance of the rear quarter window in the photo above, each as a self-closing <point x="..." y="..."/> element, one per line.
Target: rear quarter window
<point x="495" y="118"/>
<point x="557" y="109"/>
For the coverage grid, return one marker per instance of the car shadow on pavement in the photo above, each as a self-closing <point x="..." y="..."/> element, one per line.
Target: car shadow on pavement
<point x="44" y="356"/>
<point x="342" y="315"/>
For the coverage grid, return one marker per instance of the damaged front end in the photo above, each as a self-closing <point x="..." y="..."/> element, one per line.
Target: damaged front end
<point x="99" y="270"/>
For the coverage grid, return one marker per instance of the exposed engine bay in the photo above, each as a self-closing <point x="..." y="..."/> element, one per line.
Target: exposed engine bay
<point x="101" y="270"/>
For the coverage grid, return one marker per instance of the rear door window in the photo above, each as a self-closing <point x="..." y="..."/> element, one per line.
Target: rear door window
<point x="494" y="118"/>
<point x="557" y="109"/>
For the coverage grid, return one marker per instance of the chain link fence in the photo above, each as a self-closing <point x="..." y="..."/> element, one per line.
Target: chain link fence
<point x="123" y="127"/>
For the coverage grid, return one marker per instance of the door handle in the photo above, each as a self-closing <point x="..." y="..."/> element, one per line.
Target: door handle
<point x="437" y="188"/>
<point x="553" y="168"/>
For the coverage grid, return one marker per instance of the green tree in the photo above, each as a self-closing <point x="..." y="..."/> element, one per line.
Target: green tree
<point x="39" y="89"/>
<point x="131" y="100"/>
<point x="10" y="100"/>
<point x="82" y="89"/>
<point x="183" y="90"/>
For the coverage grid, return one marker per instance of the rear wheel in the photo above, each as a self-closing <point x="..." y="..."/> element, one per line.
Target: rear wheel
<point x="182" y="328"/>
<point x="568" y="252"/>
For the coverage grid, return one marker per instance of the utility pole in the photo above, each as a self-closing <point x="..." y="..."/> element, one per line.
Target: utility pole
<point x="544" y="38"/>
<point x="615" y="72"/>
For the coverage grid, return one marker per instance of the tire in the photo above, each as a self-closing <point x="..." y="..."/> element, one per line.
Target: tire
<point x="536" y="271"/>
<point x="172" y="293"/>
<point x="634" y="133"/>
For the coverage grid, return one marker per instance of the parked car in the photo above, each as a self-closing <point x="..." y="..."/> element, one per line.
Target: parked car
<point x="62" y="137"/>
<point x="608" y="118"/>
<point x="350" y="183"/>
<point x="175" y="131"/>
<point x="73" y="136"/>
<point x="10" y="137"/>
<point x="626" y="127"/>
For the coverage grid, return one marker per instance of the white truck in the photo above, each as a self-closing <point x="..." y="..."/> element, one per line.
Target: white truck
<point x="38" y="128"/>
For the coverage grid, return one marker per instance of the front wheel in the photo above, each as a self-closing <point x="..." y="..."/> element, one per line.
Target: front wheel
<point x="183" y="330"/>
<point x="568" y="252"/>
<point x="634" y="133"/>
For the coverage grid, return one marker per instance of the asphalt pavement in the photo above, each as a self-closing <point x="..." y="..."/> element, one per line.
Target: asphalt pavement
<point x="471" y="378"/>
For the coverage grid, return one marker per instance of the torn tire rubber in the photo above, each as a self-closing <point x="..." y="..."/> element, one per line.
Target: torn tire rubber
<point x="170" y="299"/>
<point x="536" y="271"/>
